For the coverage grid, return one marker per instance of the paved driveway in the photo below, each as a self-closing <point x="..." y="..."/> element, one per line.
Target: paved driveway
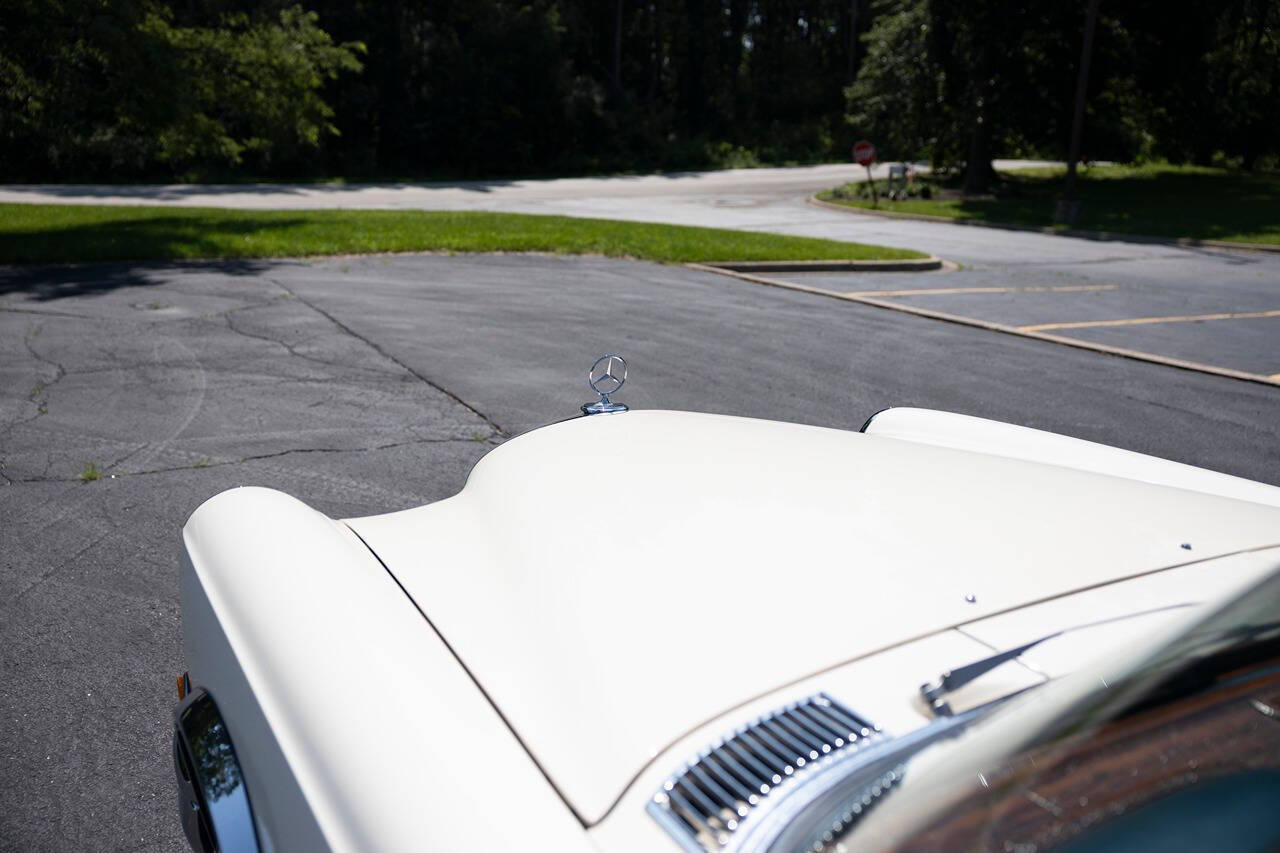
<point x="1214" y="307"/>
<point x="372" y="384"/>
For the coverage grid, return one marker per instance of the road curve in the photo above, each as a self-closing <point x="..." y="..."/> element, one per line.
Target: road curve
<point x="1015" y="278"/>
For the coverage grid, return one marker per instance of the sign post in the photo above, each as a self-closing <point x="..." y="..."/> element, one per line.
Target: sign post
<point x="864" y="154"/>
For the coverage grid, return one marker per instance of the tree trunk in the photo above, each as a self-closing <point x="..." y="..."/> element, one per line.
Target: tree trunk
<point x="615" y="66"/>
<point x="1069" y="206"/>
<point x="978" y="171"/>
<point x="853" y="40"/>
<point x="691" y="90"/>
<point x="655" y="56"/>
<point x="737" y="29"/>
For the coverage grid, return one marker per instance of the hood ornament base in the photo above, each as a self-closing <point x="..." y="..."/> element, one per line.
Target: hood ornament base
<point x="605" y="377"/>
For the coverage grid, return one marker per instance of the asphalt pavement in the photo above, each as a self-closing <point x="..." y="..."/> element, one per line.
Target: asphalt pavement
<point x="364" y="385"/>
<point x="770" y="182"/>
<point x="1215" y="307"/>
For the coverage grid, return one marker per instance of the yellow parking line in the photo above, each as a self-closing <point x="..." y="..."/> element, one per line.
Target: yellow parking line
<point x="1064" y="340"/>
<point x="1143" y="321"/>
<point x="952" y="291"/>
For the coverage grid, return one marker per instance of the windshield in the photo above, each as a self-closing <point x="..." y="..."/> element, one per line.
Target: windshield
<point x="1181" y="753"/>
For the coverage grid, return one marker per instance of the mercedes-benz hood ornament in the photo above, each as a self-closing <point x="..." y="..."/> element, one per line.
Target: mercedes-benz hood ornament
<point x="606" y="376"/>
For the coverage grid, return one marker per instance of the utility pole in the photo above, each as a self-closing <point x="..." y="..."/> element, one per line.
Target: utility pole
<point x="1069" y="206"/>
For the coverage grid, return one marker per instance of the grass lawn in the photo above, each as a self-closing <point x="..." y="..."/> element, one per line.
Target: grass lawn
<point x="61" y="233"/>
<point x="1159" y="200"/>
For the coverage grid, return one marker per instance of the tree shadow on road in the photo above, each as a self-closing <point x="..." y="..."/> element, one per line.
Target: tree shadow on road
<point x="161" y="193"/>
<point x="44" y="283"/>
<point x="1157" y="201"/>
<point x="53" y="258"/>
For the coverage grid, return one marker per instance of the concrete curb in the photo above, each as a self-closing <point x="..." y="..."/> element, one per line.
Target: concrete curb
<point x="1107" y="236"/>
<point x="904" y="265"/>
<point x="1077" y="343"/>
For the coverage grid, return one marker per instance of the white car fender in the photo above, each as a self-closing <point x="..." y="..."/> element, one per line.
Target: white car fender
<point x="965" y="432"/>
<point x="300" y="635"/>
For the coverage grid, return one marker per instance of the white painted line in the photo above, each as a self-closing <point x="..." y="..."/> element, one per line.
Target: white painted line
<point x="958" y="291"/>
<point x="1121" y="352"/>
<point x="1146" y="321"/>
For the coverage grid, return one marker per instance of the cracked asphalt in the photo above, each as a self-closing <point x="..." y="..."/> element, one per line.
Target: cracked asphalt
<point x="1211" y="306"/>
<point x="365" y="385"/>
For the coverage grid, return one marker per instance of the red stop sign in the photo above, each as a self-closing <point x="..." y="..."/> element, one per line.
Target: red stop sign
<point x="864" y="153"/>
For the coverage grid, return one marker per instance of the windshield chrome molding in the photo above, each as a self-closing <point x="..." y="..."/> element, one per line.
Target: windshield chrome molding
<point x="838" y="795"/>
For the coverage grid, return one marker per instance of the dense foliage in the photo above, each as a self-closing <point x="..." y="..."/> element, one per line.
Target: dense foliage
<point x="956" y="82"/>
<point x="125" y="89"/>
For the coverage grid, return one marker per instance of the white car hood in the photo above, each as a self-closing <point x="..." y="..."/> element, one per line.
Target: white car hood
<point x="613" y="581"/>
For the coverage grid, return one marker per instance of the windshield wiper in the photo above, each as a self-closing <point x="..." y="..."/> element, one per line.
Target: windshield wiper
<point x="952" y="680"/>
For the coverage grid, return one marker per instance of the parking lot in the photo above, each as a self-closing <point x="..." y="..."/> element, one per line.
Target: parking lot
<point x="1231" y="326"/>
<point x="1201" y="307"/>
<point x="131" y="393"/>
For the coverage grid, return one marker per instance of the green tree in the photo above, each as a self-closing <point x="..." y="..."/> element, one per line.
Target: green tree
<point x="896" y="97"/>
<point x="115" y="90"/>
<point x="77" y="87"/>
<point x="959" y="85"/>
<point x="250" y="88"/>
<point x="1243" y="79"/>
<point x="122" y="89"/>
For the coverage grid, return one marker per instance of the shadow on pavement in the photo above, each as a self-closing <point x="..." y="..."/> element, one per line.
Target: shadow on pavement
<point x="180" y="192"/>
<point x="1161" y="203"/>
<point x="48" y="283"/>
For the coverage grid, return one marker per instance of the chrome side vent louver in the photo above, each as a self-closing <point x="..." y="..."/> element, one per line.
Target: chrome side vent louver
<point x="718" y="798"/>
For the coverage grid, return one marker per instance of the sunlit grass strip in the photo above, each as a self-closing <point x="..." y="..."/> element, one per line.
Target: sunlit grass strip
<point x="1158" y="200"/>
<point x="65" y="233"/>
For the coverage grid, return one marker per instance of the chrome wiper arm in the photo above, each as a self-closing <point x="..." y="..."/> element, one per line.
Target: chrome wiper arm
<point x="952" y="680"/>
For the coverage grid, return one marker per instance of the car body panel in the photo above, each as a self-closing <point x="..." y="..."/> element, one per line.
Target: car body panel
<point x="354" y="724"/>
<point x="880" y="687"/>
<point x="965" y="432"/>
<point x="615" y="581"/>
<point x="884" y="687"/>
<point x="944" y="774"/>
<point x="1161" y="595"/>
